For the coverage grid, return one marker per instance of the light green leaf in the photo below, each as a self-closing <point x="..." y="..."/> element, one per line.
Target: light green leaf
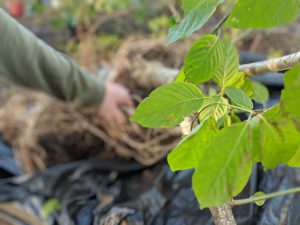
<point x="262" y="13"/>
<point x="239" y="80"/>
<point x="225" y="168"/>
<point x="190" y="150"/>
<point x="181" y="76"/>
<point x="203" y="59"/>
<point x="275" y="138"/>
<point x="50" y="206"/>
<point x="227" y="73"/>
<point x="290" y="100"/>
<point x="168" y="105"/>
<point x="260" y="93"/>
<point x="260" y="202"/>
<point x="200" y="12"/>
<point x="215" y="107"/>
<point x="248" y="87"/>
<point x="239" y="98"/>
<point x="189" y="5"/>
<point x="295" y="160"/>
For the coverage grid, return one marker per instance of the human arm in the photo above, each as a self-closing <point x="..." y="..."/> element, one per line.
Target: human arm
<point x="29" y="62"/>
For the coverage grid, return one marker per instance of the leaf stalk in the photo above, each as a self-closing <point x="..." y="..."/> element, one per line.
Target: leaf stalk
<point x="264" y="197"/>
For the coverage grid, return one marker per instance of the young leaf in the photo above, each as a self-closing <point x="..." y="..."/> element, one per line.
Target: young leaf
<point x="197" y="16"/>
<point x="225" y="168"/>
<point x="215" y="107"/>
<point x="260" y="93"/>
<point x="190" y="150"/>
<point x="227" y="73"/>
<point x="262" y="13"/>
<point x="203" y="59"/>
<point x="260" y="202"/>
<point x="239" y="98"/>
<point x="290" y="100"/>
<point x="50" y="206"/>
<point x="168" y="105"/>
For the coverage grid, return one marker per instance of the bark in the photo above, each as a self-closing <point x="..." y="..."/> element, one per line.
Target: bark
<point x="272" y="65"/>
<point x="223" y="215"/>
<point x="154" y="74"/>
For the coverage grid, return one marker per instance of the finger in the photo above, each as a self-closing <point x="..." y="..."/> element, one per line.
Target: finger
<point x="118" y="116"/>
<point x="127" y="100"/>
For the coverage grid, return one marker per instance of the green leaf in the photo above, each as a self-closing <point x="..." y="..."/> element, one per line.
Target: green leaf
<point x="227" y="73"/>
<point x="260" y="202"/>
<point x="260" y="93"/>
<point x="50" y="206"/>
<point x="190" y="150"/>
<point x="174" y="20"/>
<point x="275" y="138"/>
<point x="248" y="87"/>
<point x="189" y="5"/>
<point x="290" y="100"/>
<point x="239" y="80"/>
<point x="262" y="13"/>
<point x="168" y="105"/>
<point x="239" y="98"/>
<point x="295" y="160"/>
<point x="200" y="12"/>
<point x="225" y="168"/>
<point x="181" y="76"/>
<point x="203" y="59"/>
<point x="215" y="107"/>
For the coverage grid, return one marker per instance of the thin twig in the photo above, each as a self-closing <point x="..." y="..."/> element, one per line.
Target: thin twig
<point x="220" y="24"/>
<point x="264" y="197"/>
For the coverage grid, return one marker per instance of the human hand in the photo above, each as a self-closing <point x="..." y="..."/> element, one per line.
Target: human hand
<point x="115" y="96"/>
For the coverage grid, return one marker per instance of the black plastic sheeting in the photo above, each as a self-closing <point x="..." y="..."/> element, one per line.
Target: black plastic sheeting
<point x="112" y="192"/>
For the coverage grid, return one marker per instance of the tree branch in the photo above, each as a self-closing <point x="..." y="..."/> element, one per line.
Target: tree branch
<point x="272" y="65"/>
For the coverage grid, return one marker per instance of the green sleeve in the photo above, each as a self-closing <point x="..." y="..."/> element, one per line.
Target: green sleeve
<point x="29" y="62"/>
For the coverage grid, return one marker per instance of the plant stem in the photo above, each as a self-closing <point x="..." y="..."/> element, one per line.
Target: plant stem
<point x="264" y="197"/>
<point x="273" y="65"/>
<point x="223" y="215"/>
<point x="220" y="25"/>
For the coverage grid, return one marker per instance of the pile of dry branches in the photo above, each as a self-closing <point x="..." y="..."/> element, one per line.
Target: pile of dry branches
<point x="46" y="132"/>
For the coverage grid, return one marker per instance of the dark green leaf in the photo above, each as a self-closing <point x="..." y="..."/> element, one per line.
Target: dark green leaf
<point x="203" y="59"/>
<point x="239" y="98"/>
<point x="168" y="105"/>
<point x="262" y="13"/>
<point x="200" y="12"/>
